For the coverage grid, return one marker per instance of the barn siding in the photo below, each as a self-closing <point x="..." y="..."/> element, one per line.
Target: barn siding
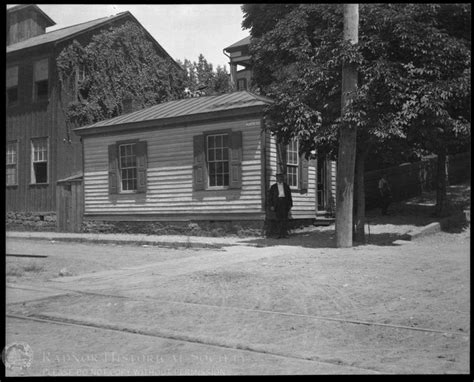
<point x="304" y="205"/>
<point x="169" y="174"/>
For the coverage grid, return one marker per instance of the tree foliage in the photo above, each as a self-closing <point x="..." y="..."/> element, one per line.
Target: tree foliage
<point x="118" y="63"/>
<point x="201" y="79"/>
<point x="414" y="72"/>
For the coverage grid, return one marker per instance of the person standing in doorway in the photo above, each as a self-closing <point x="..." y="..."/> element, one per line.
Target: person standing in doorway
<point x="385" y="194"/>
<point x="280" y="201"/>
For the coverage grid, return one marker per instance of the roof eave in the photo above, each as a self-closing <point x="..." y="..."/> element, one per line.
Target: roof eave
<point x="169" y="122"/>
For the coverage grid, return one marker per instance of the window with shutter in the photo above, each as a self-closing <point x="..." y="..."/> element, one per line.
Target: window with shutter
<point x="217" y="160"/>
<point x="294" y="165"/>
<point x="128" y="167"/>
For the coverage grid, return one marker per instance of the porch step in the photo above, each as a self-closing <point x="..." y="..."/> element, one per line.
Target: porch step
<point x="323" y="221"/>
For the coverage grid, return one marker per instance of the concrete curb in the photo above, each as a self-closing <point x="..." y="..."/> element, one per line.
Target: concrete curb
<point x="185" y="242"/>
<point x="429" y="229"/>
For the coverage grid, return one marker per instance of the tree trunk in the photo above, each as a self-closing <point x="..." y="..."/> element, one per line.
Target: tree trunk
<point x="359" y="220"/>
<point x="441" y="182"/>
<point x="347" y="139"/>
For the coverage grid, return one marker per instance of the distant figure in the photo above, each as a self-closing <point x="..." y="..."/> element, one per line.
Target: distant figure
<point x="280" y="201"/>
<point x="385" y="194"/>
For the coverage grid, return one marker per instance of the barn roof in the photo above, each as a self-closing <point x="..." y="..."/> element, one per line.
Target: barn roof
<point x="74" y="30"/>
<point x="59" y="34"/>
<point x="189" y="107"/>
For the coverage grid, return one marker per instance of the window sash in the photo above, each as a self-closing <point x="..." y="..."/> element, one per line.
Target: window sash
<point x="11" y="153"/>
<point x="39" y="161"/>
<point x="11" y="162"/>
<point x="40" y="151"/>
<point x="218" y="160"/>
<point x="292" y="163"/>
<point x="11" y="175"/>
<point x="128" y="167"/>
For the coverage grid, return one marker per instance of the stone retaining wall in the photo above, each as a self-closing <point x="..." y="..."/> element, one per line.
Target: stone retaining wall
<point x="30" y="221"/>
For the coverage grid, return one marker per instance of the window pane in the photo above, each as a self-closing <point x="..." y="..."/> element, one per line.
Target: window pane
<point x="11" y="175"/>
<point x="12" y="96"/>
<point x="218" y="159"/>
<point x="42" y="89"/>
<point x="40" y="172"/>
<point x="210" y="142"/>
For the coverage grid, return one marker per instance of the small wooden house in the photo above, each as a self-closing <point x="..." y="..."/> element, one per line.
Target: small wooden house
<point x="207" y="158"/>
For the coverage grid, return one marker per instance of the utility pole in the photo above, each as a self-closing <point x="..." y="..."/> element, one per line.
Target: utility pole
<point x="347" y="139"/>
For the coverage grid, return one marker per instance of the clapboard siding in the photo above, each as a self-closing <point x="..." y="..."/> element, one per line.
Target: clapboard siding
<point x="169" y="173"/>
<point x="304" y="206"/>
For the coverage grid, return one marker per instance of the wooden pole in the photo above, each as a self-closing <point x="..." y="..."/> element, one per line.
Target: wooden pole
<point x="347" y="139"/>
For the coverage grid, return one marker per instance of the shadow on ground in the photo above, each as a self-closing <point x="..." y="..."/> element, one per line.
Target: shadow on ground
<point x="386" y="230"/>
<point x="325" y="239"/>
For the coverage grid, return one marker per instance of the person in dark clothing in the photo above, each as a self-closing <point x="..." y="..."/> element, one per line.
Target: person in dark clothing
<point x="280" y="201"/>
<point x="385" y="194"/>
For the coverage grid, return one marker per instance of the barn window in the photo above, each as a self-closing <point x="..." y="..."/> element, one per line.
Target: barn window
<point x="39" y="173"/>
<point x="127" y="167"/>
<point x="217" y="160"/>
<point x="12" y="163"/>
<point x="41" y="79"/>
<point x="12" y="85"/>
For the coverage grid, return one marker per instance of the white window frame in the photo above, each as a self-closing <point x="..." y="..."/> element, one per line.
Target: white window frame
<point x="292" y="163"/>
<point x="12" y="162"/>
<point x="223" y="150"/>
<point x="39" y="156"/>
<point x="127" y="167"/>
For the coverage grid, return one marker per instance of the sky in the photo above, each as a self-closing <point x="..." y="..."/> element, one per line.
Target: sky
<point x="183" y="30"/>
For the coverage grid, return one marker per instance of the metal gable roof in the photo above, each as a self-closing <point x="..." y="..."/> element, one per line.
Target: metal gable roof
<point x="186" y="107"/>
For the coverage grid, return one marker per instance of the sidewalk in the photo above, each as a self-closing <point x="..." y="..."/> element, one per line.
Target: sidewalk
<point x="133" y="239"/>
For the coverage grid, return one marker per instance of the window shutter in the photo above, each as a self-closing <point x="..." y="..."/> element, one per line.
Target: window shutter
<point x="113" y="169"/>
<point x="281" y="158"/>
<point x="141" y="151"/>
<point x="199" y="163"/>
<point x="235" y="160"/>
<point x="303" y="168"/>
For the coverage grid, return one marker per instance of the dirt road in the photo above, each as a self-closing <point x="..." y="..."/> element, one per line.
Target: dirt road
<point x="282" y="309"/>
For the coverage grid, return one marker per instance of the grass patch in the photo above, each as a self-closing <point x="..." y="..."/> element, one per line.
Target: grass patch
<point x="20" y="270"/>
